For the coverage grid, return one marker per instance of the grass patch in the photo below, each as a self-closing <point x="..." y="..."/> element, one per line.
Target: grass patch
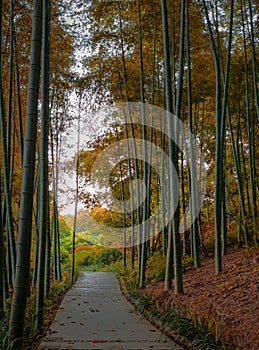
<point x="189" y="331"/>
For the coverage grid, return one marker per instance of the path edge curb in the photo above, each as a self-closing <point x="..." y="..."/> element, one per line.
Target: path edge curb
<point x="167" y="331"/>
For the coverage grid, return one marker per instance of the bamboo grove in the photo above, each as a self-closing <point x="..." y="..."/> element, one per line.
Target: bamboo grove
<point x="197" y="60"/>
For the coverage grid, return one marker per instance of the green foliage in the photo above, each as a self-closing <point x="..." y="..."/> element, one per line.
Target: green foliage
<point x="85" y="257"/>
<point x="187" y="262"/>
<point x="145" y="303"/>
<point x="209" y="245"/>
<point x="210" y="327"/>
<point x="128" y="278"/>
<point x="155" y="268"/>
<point x="108" y="256"/>
<point x="58" y="288"/>
<point x="189" y="327"/>
<point x="90" y="256"/>
<point x="231" y="240"/>
<point x="64" y="255"/>
<point x="4" y="334"/>
<point x="30" y="331"/>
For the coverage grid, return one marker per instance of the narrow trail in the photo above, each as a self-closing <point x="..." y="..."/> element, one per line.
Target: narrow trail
<point x="95" y="315"/>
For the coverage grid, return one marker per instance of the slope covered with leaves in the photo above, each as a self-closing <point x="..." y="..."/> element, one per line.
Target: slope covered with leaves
<point x="227" y="304"/>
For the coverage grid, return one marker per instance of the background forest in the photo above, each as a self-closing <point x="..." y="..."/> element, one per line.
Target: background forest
<point x="60" y="62"/>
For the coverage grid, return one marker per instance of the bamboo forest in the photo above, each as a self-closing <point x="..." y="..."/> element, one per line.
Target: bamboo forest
<point x="129" y="160"/>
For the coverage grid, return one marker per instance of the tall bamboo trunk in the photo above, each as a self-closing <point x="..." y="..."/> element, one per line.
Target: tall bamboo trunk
<point x="193" y="175"/>
<point x="48" y="256"/>
<point x="249" y="132"/>
<point x="72" y="277"/>
<point x="254" y="61"/>
<point x="44" y="164"/>
<point x="22" y="278"/>
<point x="219" y="146"/>
<point x="145" y="230"/>
<point x="169" y="107"/>
<point x="2" y="255"/>
<point x="178" y="282"/>
<point x="132" y="245"/>
<point x="133" y="146"/>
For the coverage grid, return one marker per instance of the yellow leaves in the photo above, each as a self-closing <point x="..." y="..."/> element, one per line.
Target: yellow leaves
<point x="66" y="276"/>
<point x="226" y="286"/>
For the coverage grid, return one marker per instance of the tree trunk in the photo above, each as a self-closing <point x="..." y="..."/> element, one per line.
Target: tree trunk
<point x="22" y="278"/>
<point x="44" y="164"/>
<point x="72" y="278"/>
<point x="178" y="282"/>
<point x="254" y="62"/>
<point x="132" y="245"/>
<point x="6" y="166"/>
<point x="48" y="257"/>
<point x="134" y="148"/>
<point x="219" y="146"/>
<point x="2" y="255"/>
<point x="193" y="175"/>
<point x="145" y="229"/>
<point x="169" y="107"/>
<point x="249" y="131"/>
<point x="19" y="108"/>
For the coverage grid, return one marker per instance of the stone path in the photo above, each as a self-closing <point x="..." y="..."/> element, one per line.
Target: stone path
<point x="95" y="315"/>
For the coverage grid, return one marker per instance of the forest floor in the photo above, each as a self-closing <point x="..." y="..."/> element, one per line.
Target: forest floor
<point x="227" y="303"/>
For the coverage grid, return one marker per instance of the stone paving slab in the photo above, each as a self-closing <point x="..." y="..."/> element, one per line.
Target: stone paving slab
<point x="95" y="315"/>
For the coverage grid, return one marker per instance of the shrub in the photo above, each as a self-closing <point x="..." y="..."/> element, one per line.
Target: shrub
<point x="108" y="256"/>
<point x="155" y="268"/>
<point x="84" y="255"/>
<point x="64" y="256"/>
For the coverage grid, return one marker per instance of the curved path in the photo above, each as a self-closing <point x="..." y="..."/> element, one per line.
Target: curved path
<point x="95" y="315"/>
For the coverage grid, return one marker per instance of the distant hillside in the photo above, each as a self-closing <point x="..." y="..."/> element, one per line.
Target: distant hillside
<point x="87" y="232"/>
<point x="81" y="224"/>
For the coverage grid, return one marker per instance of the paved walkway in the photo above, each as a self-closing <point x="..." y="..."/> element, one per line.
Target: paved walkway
<point x="95" y="315"/>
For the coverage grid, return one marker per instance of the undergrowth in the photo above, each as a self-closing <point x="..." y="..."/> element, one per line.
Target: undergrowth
<point x="185" y="327"/>
<point x="31" y="334"/>
<point x="189" y="330"/>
